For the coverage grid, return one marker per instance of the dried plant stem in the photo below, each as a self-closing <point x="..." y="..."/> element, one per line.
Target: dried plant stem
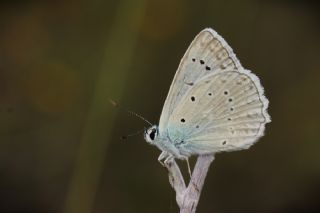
<point x="188" y="197"/>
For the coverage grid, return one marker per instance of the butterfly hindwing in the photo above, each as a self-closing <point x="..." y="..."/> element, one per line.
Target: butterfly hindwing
<point x="207" y="54"/>
<point x="224" y="111"/>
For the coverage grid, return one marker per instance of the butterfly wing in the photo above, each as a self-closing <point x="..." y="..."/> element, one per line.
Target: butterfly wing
<point x="208" y="53"/>
<point x="224" y="111"/>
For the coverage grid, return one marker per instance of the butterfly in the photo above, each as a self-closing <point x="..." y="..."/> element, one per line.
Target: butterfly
<point x="213" y="105"/>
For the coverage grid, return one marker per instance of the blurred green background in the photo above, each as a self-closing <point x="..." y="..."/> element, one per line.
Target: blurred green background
<point x="60" y="61"/>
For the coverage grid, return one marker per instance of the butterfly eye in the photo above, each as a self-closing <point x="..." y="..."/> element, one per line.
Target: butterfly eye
<point x="152" y="135"/>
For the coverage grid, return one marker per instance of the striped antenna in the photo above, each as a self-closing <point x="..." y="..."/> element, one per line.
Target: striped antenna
<point x="115" y="104"/>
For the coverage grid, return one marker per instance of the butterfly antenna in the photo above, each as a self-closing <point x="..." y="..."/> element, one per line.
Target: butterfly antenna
<point x="115" y="104"/>
<point x="133" y="134"/>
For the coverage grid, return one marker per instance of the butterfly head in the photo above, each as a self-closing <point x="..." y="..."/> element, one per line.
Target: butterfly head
<point x="151" y="134"/>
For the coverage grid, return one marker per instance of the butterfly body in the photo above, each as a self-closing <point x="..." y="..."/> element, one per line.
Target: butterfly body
<point x="213" y="105"/>
<point x="164" y="142"/>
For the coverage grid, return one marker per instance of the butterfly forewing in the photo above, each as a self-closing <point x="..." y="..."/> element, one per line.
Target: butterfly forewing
<point x="224" y="111"/>
<point x="207" y="54"/>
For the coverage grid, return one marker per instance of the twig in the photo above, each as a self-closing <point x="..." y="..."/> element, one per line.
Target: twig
<point x="188" y="197"/>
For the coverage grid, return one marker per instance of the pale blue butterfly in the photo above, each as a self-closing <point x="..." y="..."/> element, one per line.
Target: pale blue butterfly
<point x="213" y="105"/>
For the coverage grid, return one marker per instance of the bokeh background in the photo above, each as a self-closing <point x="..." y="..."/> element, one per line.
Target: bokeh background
<point x="60" y="61"/>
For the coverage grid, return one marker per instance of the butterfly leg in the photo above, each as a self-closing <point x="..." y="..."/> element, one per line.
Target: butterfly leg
<point x="190" y="174"/>
<point x="189" y="169"/>
<point x="169" y="157"/>
<point x="162" y="156"/>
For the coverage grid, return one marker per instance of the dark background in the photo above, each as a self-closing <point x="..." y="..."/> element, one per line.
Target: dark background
<point x="60" y="61"/>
